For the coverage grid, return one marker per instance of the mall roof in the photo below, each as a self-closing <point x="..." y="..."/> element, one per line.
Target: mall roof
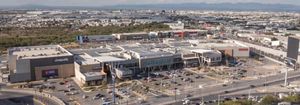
<point x="94" y="52"/>
<point x="150" y="54"/>
<point x="203" y="51"/>
<point x="93" y="75"/>
<point x="85" y="59"/>
<point x="109" y="59"/>
<point x="31" y="52"/>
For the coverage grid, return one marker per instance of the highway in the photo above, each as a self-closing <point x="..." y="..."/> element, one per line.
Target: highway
<point x="234" y="87"/>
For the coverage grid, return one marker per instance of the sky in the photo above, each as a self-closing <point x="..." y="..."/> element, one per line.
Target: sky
<point x="117" y="2"/>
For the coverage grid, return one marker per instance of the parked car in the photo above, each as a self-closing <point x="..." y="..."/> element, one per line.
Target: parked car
<point x="84" y="96"/>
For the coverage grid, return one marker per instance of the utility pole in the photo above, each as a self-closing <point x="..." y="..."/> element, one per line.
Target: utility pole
<point x="289" y="61"/>
<point x="148" y="77"/>
<point x="175" y="90"/>
<point x="249" y="94"/>
<point x="160" y="68"/>
<point x="113" y="75"/>
<point x="219" y="99"/>
<point x="173" y="77"/>
<point x="200" y="89"/>
<point x="285" y="77"/>
<point x="265" y="85"/>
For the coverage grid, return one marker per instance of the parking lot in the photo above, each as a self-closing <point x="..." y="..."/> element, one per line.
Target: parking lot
<point x="70" y="92"/>
<point x="183" y="81"/>
<point x="244" y="68"/>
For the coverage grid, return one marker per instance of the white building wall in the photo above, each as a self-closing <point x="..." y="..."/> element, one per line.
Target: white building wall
<point x="275" y="43"/>
<point x="241" y="52"/>
<point x="23" y="66"/>
<point x="78" y="75"/>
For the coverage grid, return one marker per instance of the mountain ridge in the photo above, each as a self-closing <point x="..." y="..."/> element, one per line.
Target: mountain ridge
<point x="181" y="6"/>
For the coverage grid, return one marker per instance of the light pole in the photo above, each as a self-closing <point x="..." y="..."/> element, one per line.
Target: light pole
<point x="160" y="68"/>
<point x="265" y="84"/>
<point x="289" y="61"/>
<point x="200" y="89"/>
<point x="219" y="99"/>
<point x="175" y="91"/>
<point x="249" y="94"/>
<point x="113" y="75"/>
<point x="285" y="77"/>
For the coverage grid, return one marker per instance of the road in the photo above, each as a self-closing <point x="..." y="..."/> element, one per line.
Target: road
<point x="219" y="89"/>
<point x="213" y="99"/>
<point x="264" y="49"/>
<point x="28" y="96"/>
<point x="13" y="98"/>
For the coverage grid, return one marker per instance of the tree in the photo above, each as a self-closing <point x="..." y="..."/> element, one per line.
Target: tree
<point x="14" y="37"/>
<point x="45" y="79"/>
<point x="292" y="98"/>
<point x="268" y="100"/>
<point x="239" y="102"/>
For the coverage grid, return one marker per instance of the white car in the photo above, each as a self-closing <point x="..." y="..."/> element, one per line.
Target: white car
<point x="84" y="96"/>
<point x="106" y="103"/>
<point x="95" y="98"/>
<point x="75" y="92"/>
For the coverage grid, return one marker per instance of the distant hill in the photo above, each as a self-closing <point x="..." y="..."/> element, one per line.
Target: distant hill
<point x="214" y="6"/>
<point x="185" y="6"/>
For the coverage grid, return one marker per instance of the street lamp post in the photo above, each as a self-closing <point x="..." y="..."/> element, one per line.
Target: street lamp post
<point x="200" y="90"/>
<point x="289" y="61"/>
<point x="265" y="84"/>
<point x="113" y="76"/>
<point x="285" y="77"/>
<point x="249" y="94"/>
<point x="175" y="90"/>
<point x="219" y="99"/>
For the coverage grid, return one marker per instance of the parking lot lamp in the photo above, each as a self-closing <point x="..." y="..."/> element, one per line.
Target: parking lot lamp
<point x="200" y="90"/>
<point x="113" y="76"/>
<point x="285" y="76"/>
<point x="289" y="61"/>
<point x="219" y="99"/>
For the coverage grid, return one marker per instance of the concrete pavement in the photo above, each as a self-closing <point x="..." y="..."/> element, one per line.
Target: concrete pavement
<point x="43" y="97"/>
<point x="13" y="98"/>
<point x="237" y="86"/>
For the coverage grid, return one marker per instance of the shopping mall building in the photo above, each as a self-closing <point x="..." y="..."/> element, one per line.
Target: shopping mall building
<point x="39" y="62"/>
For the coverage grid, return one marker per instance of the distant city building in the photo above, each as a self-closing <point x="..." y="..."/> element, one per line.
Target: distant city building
<point x="176" y="26"/>
<point x="132" y="36"/>
<point x="95" y="38"/>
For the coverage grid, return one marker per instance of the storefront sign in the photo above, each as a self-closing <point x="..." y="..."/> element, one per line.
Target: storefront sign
<point x="61" y="60"/>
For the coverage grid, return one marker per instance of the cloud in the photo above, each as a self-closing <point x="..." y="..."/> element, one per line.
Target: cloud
<point x="114" y="2"/>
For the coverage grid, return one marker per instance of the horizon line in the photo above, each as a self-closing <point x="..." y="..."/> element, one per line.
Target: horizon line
<point x="146" y="4"/>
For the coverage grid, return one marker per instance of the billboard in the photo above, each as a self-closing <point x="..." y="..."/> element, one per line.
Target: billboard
<point x="293" y="48"/>
<point x="50" y="73"/>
